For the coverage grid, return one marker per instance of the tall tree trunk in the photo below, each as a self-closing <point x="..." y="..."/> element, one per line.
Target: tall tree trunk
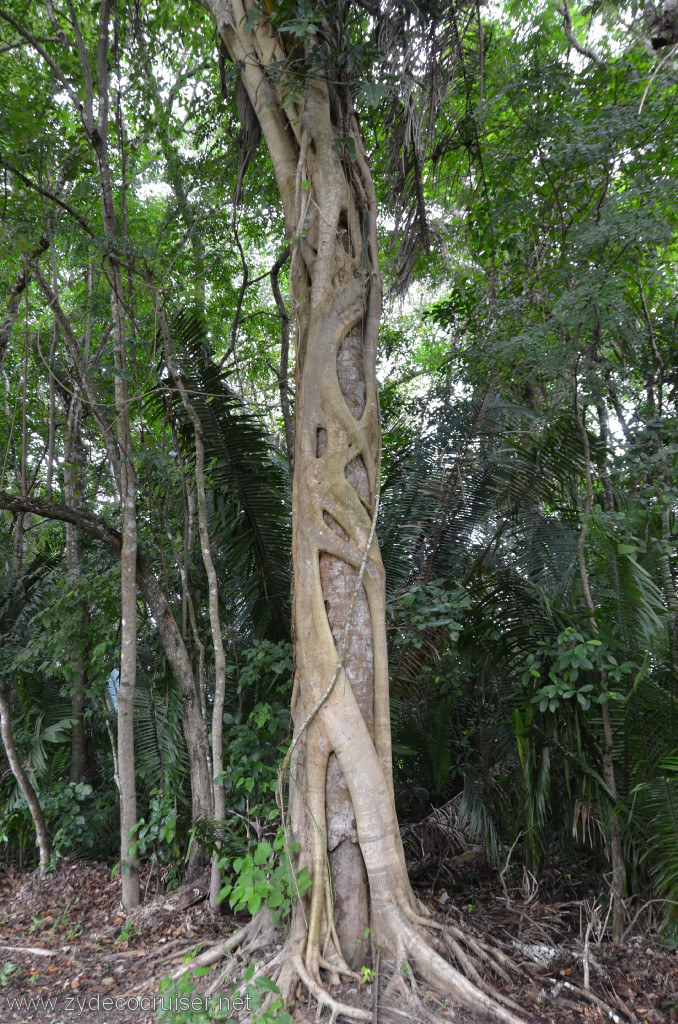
<point x="128" y="609"/>
<point x="73" y="486"/>
<point x="156" y="598"/>
<point x="97" y="132"/>
<point x="607" y="753"/>
<point x="24" y="782"/>
<point x="342" y="808"/>
<point x="213" y="600"/>
<point x="91" y="105"/>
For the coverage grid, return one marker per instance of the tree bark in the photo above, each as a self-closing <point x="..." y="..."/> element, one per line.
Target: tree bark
<point x="96" y="129"/>
<point x="91" y="105"/>
<point x="607" y="752"/>
<point x="24" y="782"/>
<point x="97" y="134"/>
<point x="283" y="385"/>
<point x="219" y="796"/>
<point x="662" y="23"/>
<point x="342" y="809"/>
<point x="73" y="484"/>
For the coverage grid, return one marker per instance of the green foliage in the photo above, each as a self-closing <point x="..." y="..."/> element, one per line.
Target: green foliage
<point x="265" y="668"/>
<point x="181" y="1005"/>
<point x="264" y="877"/>
<point x="654" y="821"/>
<point x="156" y="834"/>
<point x="252" y="752"/>
<point x="80" y="821"/>
<point x="569" y="664"/>
<point x="546" y="198"/>
<point x="253" y="748"/>
<point x="431" y="607"/>
<point x="7" y="972"/>
<point x="249" y="483"/>
<point x="262" y="989"/>
<point x="128" y="932"/>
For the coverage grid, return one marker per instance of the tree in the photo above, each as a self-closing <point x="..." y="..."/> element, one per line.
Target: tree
<point x="15" y="597"/>
<point x="78" y="70"/>
<point x="342" y="810"/>
<point x="544" y="170"/>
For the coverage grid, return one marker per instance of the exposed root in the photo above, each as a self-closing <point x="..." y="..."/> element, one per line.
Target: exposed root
<point x="489" y="957"/>
<point x="414" y="956"/>
<point x="586" y="995"/>
<point x="438" y="973"/>
<point x="466" y="962"/>
<point x="223" y="976"/>
<point x="325" y="999"/>
<point x="416" y="1008"/>
<point x="256" y="934"/>
<point x="407" y="974"/>
<point x="421" y="922"/>
<point x="471" y="963"/>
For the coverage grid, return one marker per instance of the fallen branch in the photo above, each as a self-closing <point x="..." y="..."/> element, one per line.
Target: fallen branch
<point x="589" y="996"/>
<point x="33" y="950"/>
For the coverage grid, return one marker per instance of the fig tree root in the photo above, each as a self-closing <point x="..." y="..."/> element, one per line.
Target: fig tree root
<point x="414" y="958"/>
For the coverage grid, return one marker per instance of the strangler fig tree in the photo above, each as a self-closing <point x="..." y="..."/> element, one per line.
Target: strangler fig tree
<point x="341" y="802"/>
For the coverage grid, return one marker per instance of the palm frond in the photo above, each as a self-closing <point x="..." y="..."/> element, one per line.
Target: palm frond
<point x="248" y="478"/>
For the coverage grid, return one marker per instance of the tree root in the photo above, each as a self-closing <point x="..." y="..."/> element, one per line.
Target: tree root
<point x="415" y="956"/>
<point x="325" y="999"/>
<point x="256" y="934"/>
<point x="441" y="975"/>
<point x="588" y="996"/>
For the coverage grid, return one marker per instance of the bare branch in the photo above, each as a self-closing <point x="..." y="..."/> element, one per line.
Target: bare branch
<point x="78" y="360"/>
<point x="88" y="113"/>
<point x="585" y="51"/>
<point x="102" y="68"/>
<point x="9" y="316"/>
<point x="53" y="197"/>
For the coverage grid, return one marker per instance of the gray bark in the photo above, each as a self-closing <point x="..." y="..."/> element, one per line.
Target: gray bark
<point x="74" y="469"/>
<point x="215" y="624"/>
<point x="24" y="782"/>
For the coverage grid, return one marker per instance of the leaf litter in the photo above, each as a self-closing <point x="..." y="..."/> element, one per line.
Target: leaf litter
<point x="65" y="946"/>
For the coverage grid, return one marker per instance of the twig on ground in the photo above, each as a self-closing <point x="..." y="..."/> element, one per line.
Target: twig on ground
<point x="33" y="950"/>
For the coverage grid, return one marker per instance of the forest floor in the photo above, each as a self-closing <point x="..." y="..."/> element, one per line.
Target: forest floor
<point x="69" y="956"/>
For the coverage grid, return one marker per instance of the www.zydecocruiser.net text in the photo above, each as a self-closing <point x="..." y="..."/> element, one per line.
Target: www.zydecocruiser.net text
<point x="97" y="1002"/>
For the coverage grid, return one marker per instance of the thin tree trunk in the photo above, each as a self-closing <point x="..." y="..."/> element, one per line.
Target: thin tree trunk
<point x="73" y="487"/>
<point x="128" y="612"/>
<point x="192" y="719"/>
<point x="603" y="470"/>
<point x="616" y="852"/>
<point x="215" y="623"/>
<point x="97" y="133"/>
<point x="49" y="469"/>
<point x="24" y="783"/>
<point x="283" y="372"/>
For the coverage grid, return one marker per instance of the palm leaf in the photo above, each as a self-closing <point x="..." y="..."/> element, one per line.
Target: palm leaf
<point x="250" y="525"/>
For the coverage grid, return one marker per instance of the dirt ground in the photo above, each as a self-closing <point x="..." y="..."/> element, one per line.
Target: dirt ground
<point x="69" y="956"/>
